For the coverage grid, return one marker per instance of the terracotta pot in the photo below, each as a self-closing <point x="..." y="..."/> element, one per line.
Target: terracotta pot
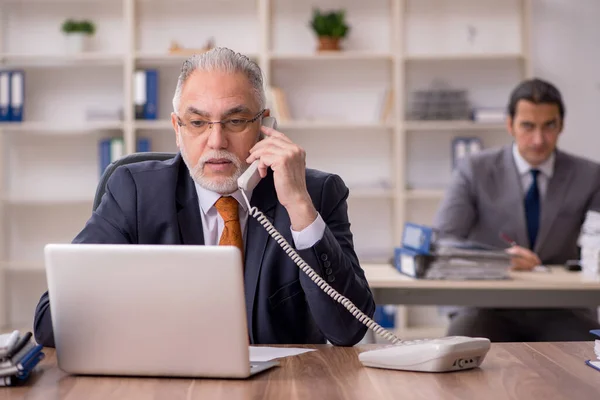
<point x="328" y="43"/>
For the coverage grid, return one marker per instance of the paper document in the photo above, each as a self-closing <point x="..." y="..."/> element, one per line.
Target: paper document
<point x="261" y="354"/>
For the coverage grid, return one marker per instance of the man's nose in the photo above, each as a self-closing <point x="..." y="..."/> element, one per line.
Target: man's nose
<point x="538" y="137"/>
<point x="216" y="136"/>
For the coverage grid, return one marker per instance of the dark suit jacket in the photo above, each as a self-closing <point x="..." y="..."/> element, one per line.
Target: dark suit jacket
<point x="155" y="202"/>
<point x="486" y="198"/>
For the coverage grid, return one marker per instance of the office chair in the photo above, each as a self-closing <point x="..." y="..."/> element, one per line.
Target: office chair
<point x="128" y="159"/>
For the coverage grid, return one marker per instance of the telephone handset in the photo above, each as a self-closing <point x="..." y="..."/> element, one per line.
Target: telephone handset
<point x="437" y="355"/>
<point x="250" y="178"/>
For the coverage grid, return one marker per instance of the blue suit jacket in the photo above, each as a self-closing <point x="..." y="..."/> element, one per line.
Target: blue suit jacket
<point x="155" y="202"/>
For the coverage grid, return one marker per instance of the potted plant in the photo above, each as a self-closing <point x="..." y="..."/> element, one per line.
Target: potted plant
<point x="330" y="27"/>
<point x="77" y="33"/>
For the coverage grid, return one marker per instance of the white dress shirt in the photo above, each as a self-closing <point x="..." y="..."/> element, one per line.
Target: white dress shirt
<point x="212" y="223"/>
<point x="546" y="171"/>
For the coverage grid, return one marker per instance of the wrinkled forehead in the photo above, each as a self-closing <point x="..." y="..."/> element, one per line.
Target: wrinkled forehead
<point x="215" y="93"/>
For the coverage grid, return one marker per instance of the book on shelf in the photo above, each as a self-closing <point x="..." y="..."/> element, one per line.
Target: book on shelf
<point x="145" y="94"/>
<point x="463" y="147"/>
<point x="387" y="106"/>
<point x="12" y="94"/>
<point x="277" y="103"/>
<point x="112" y="149"/>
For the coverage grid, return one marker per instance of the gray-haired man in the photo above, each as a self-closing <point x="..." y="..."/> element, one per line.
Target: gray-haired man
<point x="218" y="106"/>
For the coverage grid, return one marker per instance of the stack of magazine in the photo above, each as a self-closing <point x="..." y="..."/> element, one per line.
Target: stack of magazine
<point x="18" y="357"/>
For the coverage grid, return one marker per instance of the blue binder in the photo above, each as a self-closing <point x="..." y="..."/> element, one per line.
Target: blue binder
<point x="104" y="154"/>
<point x="151" y="108"/>
<point x="143" y="145"/>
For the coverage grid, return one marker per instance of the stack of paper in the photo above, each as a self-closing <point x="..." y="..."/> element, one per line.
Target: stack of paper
<point x="18" y="357"/>
<point x="589" y="241"/>
<point x="596" y="363"/>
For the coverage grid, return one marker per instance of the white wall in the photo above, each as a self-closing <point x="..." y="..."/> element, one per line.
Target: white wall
<point x="566" y="51"/>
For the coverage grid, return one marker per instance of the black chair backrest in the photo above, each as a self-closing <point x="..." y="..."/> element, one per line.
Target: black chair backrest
<point x="128" y="159"/>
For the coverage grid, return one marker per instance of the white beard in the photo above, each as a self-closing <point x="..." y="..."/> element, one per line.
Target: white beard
<point x="221" y="185"/>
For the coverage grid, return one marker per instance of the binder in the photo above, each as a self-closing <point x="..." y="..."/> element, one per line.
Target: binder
<point x="151" y="110"/>
<point x="139" y="93"/>
<point x="117" y="149"/>
<point x="17" y="89"/>
<point x="143" y="145"/>
<point x="5" y="96"/>
<point x="104" y="154"/>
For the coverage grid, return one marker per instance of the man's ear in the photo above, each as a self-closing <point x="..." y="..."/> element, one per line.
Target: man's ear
<point x="509" y="125"/>
<point x="176" y="127"/>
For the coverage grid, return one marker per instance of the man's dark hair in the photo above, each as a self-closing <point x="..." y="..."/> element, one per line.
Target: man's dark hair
<point x="537" y="91"/>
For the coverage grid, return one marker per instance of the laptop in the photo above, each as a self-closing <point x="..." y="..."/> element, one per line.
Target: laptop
<point x="149" y="310"/>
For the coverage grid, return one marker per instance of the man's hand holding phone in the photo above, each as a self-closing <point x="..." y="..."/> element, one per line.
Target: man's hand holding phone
<point x="288" y="162"/>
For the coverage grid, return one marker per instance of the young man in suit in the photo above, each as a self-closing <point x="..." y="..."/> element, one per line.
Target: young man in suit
<point x="218" y="106"/>
<point x="534" y="194"/>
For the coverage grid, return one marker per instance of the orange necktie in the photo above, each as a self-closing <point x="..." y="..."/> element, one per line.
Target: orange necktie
<point x="232" y="231"/>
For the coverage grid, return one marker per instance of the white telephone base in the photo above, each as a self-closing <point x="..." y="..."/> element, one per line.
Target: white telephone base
<point x="452" y="353"/>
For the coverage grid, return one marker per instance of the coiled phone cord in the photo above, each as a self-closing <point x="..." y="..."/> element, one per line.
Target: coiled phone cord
<point x="320" y="282"/>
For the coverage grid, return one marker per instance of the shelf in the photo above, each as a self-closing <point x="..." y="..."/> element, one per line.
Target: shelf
<point x="453" y="126"/>
<point x="61" y="60"/>
<point x="166" y="59"/>
<point x="465" y="57"/>
<point x="424" y="194"/>
<point x="372" y="193"/>
<point x="44" y="128"/>
<point x="331" y="125"/>
<point x="23" y="266"/>
<point x="159" y="124"/>
<point x="55" y="2"/>
<point x="48" y="202"/>
<point x="332" y="56"/>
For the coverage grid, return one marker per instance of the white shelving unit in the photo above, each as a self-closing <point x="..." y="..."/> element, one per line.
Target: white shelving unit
<point x="396" y="170"/>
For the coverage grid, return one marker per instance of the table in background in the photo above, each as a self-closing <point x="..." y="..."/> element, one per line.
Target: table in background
<point x="556" y="289"/>
<point x="546" y="371"/>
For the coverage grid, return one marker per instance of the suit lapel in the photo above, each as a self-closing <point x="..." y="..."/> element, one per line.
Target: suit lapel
<point x="188" y="208"/>
<point x="510" y="184"/>
<point x="264" y="198"/>
<point x="555" y="194"/>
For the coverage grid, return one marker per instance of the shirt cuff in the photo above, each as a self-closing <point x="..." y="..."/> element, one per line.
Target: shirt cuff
<point x="310" y="235"/>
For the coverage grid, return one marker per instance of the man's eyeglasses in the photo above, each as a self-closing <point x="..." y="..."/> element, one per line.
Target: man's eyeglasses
<point x="235" y="125"/>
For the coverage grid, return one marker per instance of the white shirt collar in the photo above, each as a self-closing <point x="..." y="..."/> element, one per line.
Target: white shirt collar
<point x="208" y="198"/>
<point x="546" y="168"/>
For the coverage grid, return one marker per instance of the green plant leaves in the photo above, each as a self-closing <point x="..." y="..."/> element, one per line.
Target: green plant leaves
<point x="73" y="26"/>
<point x="330" y="23"/>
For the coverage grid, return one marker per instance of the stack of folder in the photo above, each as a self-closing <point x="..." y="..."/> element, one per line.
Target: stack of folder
<point x="18" y="357"/>
<point x="425" y="255"/>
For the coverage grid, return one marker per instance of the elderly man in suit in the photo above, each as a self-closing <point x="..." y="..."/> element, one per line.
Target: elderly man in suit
<point x="534" y="194"/>
<point x="218" y="105"/>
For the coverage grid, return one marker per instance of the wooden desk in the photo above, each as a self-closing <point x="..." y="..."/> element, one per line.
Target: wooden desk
<point x="555" y="289"/>
<point x="511" y="371"/>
